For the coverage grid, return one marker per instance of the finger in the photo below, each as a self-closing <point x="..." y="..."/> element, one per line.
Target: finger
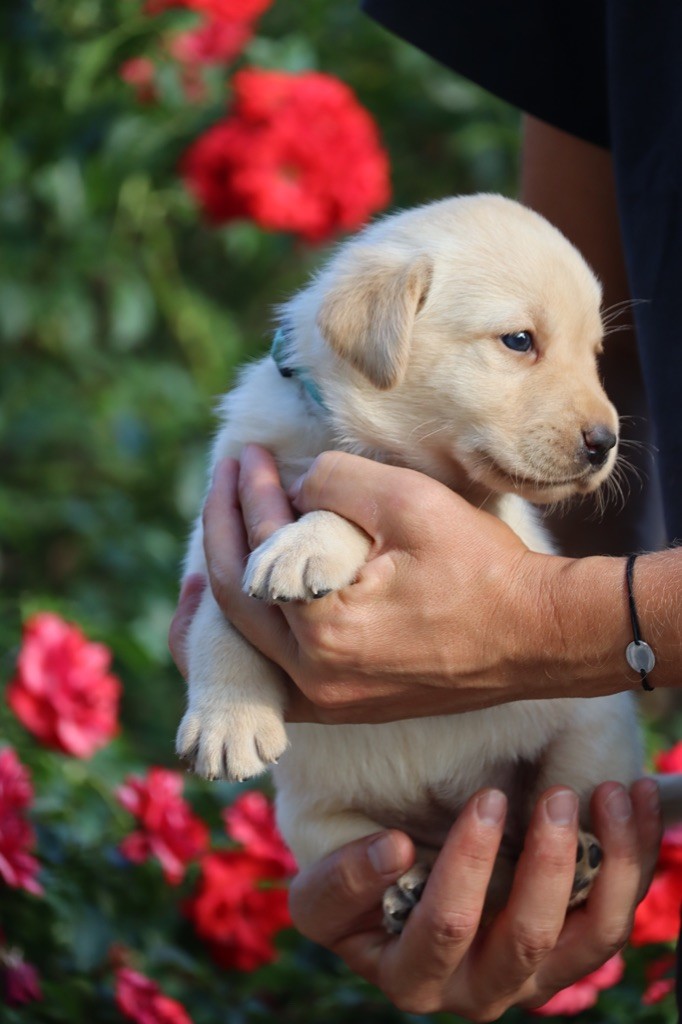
<point x="265" y="506"/>
<point x="191" y="590"/>
<point x="529" y="927"/>
<point x="646" y="802"/>
<point x="364" y="492"/>
<point x="340" y="896"/>
<point x="441" y="928"/>
<point x="226" y="552"/>
<point x="595" y="932"/>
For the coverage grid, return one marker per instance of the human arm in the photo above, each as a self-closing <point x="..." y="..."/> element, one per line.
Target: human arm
<point x="452" y="611"/>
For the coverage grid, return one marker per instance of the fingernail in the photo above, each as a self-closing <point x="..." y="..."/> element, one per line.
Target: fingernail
<point x="618" y="804"/>
<point x="652" y="795"/>
<point x="384" y="855"/>
<point x="490" y="807"/>
<point x="562" y="807"/>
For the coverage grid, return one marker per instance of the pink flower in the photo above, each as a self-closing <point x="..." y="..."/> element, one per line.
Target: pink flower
<point x="62" y="691"/>
<point x="18" y="868"/>
<point x="19" y="982"/>
<point x="140" y="72"/>
<point x="584" y="993"/>
<point x="214" y="42"/>
<point x="169" y="830"/>
<point x="237" y="910"/>
<point x="661" y="978"/>
<point x="141" y="1000"/>
<point x="298" y="153"/>
<point x="251" y="821"/>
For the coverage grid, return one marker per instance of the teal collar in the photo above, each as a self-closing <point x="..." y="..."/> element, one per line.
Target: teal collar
<point x="279" y="354"/>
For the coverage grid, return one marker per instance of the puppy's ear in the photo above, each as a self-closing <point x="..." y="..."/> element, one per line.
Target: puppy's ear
<point x="368" y="315"/>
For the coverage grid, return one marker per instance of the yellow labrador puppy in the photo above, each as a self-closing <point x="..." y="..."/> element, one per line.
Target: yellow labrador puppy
<point x="459" y="339"/>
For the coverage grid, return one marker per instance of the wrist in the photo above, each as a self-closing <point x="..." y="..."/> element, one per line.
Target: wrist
<point x="582" y="626"/>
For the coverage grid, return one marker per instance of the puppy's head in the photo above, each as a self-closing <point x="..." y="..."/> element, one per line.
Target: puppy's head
<point x="465" y="337"/>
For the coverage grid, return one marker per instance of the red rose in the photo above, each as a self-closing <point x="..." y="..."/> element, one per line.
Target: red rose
<point x="142" y="1000"/>
<point x="670" y="760"/>
<point x="297" y="154"/>
<point x="237" y="911"/>
<point x="230" y="10"/>
<point x="18" y="868"/>
<point x="169" y="830"/>
<point x="584" y="993"/>
<point x="63" y="692"/>
<point x="251" y="821"/>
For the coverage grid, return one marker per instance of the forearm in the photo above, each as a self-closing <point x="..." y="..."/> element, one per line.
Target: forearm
<point x="587" y="621"/>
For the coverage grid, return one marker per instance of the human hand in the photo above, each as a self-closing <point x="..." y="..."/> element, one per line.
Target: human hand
<point x="431" y="624"/>
<point x="444" y="961"/>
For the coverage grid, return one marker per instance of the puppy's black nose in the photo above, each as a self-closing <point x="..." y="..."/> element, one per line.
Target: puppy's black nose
<point x="599" y="441"/>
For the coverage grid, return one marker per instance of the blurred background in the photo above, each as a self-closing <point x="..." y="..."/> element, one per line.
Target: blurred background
<point x="127" y="301"/>
<point x="123" y="314"/>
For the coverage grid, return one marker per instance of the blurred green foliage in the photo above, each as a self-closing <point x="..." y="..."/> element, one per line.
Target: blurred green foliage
<point x="122" y="317"/>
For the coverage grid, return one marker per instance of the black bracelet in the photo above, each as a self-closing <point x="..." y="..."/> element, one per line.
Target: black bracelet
<point x="639" y="655"/>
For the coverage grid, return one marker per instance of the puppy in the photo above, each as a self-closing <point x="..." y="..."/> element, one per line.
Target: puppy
<point x="459" y="339"/>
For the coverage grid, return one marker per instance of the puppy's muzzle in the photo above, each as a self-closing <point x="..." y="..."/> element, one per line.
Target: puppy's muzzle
<point x="597" y="443"/>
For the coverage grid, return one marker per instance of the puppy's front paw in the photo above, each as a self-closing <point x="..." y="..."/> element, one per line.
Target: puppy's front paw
<point x="588" y="859"/>
<point x="401" y="898"/>
<point x="299" y="565"/>
<point x="232" y="743"/>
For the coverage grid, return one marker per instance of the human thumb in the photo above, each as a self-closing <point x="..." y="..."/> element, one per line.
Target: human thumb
<point x="330" y="899"/>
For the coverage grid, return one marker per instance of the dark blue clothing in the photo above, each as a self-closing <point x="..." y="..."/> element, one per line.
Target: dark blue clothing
<point x="610" y="72"/>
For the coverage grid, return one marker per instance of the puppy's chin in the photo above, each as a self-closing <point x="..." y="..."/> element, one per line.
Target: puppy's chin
<point x="523" y="482"/>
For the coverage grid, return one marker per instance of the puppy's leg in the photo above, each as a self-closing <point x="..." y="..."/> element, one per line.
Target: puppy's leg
<point x="307" y="559"/>
<point x="602" y="744"/>
<point x="234" y="725"/>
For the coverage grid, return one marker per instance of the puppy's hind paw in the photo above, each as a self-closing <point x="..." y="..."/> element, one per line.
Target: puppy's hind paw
<point x="233" y="745"/>
<point x="588" y="859"/>
<point x="400" y="899"/>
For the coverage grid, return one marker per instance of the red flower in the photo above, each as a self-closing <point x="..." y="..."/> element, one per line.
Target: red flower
<point x="298" y="154"/>
<point x="657" y="918"/>
<point x="139" y="72"/>
<point x="18" y="868"/>
<point x="661" y="978"/>
<point x="19" y="982"/>
<point x="670" y="760"/>
<point x="251" y="821"/>
<point x="142" y="1000"/>
<point x="63" y="692"/>
<point x="214" y="42"/>
<point x="236" y="911"/>
<point x="170" y="831"/>
<point x="229" y="10"/>
<point x="584" y="993"/>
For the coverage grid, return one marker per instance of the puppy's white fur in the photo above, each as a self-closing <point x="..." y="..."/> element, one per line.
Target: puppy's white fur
<point x="401" y="332"/>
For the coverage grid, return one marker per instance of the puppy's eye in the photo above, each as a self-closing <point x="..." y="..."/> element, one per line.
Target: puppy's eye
<point x="520" y="341"/>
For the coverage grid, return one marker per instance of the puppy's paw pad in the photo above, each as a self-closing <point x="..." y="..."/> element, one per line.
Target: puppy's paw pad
<point x="400" y="899"/>
<point x="231" y="744"/>
<point x="588" y="859"/>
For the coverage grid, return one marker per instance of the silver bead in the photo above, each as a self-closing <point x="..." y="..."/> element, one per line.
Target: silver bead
<point x="640" y="656"/>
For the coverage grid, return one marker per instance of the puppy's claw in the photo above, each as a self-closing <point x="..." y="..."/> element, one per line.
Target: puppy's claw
<point x="400" y="899"/>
